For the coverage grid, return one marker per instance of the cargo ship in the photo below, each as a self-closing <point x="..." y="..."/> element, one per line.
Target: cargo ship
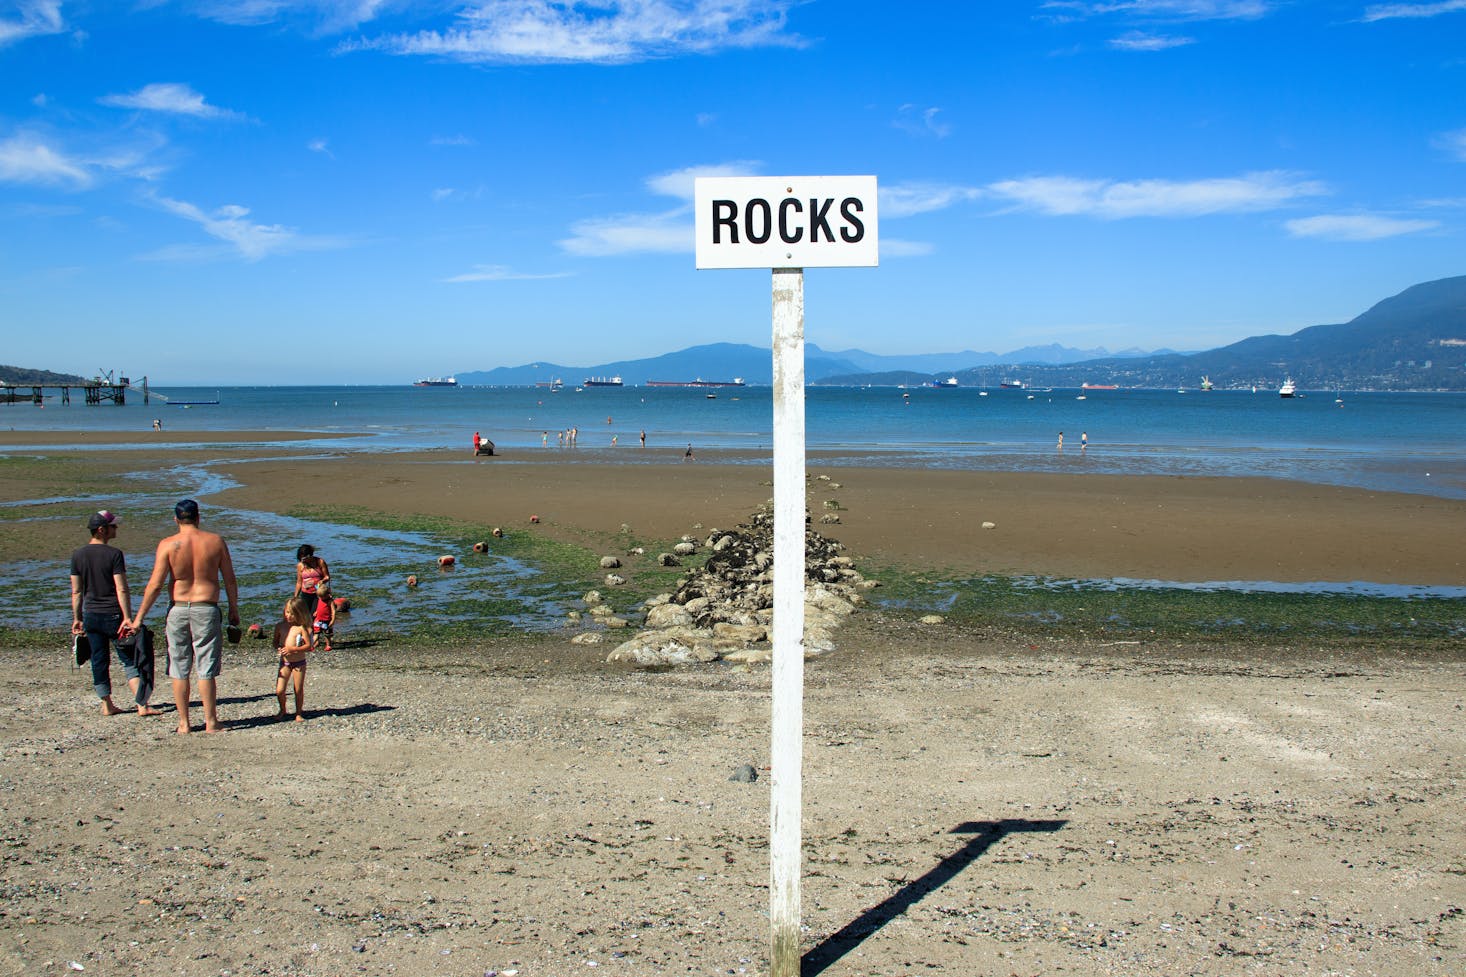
<point x="699" y="382"/>
<point x="602" y="382"/>
<point x="1099" y="386"/>
<point x="437" y="382"/>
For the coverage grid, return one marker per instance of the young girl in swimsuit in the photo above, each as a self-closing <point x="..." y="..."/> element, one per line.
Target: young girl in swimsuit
<point x="293" y="642"/>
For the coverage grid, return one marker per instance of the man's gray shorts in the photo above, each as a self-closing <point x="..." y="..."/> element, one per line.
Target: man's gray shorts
<point x="194" y="632"/>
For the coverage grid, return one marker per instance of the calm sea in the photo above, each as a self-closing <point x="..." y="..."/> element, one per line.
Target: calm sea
<point x="1398" y="442"/>
<point x="1408" y="442"/>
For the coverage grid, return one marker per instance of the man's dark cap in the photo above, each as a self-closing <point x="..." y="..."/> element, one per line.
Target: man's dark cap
<point x="100" y="519"/>
<point x="186" y="511"/>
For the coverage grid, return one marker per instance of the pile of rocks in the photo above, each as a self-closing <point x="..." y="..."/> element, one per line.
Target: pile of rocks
<point x="724" y="610"/>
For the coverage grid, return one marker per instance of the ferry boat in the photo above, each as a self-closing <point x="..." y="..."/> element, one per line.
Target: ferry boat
<point x="603" y="382"/>
<point x="1099" y="386"/>
<point x="699" y="382"/>
<point x="1288" y="389"/>
<point x="437" y="382"/>
<point x="943" y="384"/>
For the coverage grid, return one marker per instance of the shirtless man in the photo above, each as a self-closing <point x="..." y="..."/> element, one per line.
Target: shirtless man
<point x="194" y="561"/>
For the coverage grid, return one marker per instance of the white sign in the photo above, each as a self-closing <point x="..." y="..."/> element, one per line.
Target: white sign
<point x="786" y="222"/>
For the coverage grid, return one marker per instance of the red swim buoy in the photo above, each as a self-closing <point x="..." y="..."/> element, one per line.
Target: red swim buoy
<point x="412" y="580"/>
<point x="534" y="518"/>
<point x="341" y="604"/>
<point x="256" y="631"/>
<point x="480" y="547"/>
<point x="446" y="561"/>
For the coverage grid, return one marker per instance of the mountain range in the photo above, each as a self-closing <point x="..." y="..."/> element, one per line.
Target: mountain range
<point x="1415" y="340"/>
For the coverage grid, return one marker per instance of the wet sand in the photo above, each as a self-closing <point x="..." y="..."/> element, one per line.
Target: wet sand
<point x="973" y="803"/>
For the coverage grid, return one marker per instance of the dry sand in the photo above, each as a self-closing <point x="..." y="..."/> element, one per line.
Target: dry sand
<point x="972" y="806"/>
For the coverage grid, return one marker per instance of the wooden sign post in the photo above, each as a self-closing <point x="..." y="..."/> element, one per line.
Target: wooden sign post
<point x="786" y="224"/>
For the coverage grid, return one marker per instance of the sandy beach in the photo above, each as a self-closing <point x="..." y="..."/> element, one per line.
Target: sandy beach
<point x="973" y="804"/>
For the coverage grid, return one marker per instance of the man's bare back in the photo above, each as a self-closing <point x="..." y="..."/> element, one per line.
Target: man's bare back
<point x="194" y="558"/>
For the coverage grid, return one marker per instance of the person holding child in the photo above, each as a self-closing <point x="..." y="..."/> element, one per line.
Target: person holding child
<point x="293" y="642"/>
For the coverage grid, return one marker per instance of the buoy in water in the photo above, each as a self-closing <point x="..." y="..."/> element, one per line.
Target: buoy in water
<point x="412" y="580"/>
<point x="446" y="561"/>
<point x="255" y="631"/>
<point x="480" y="547"/>
<point x="498" y="533"/>
<point x="341" y="604"/>
<point x="534" y="518"/>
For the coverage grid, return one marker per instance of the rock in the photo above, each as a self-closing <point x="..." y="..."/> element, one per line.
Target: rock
<point x="668" y="560"/>
<point x="933" y="619"/>
<point x="615" y="623"/>
<point x="989" y="525"/>
<point x="587" y="638"/>
<point x="830" y="519"/>
<point x="610" y="562"/>
<point x="685" y="548"/>
<point x="668" y="616"/>
<point x="614" y="580"/>
<point x="592" y="598"/>
<point x="751" y="656"/>
<point x="636" y="551"/>
<point x="745" y="774"/>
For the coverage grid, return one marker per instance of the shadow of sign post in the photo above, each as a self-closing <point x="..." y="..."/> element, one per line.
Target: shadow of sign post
<point x="985" y="834"/>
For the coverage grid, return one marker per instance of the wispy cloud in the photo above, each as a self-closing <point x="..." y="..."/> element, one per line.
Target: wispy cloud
<point x="1453" y="143"/>
<point x="1171" y="10"/>
<point x="604" y="32"/>
<point x="907" y="199"/>
<point x="1397" y="11"/>
<point x="241" y="236"/>
<point x="679" y="183"/>
<point x="320" y="146"/>
<point x="921" y="121"/>
<point x="1141" y="41"/>
<point x="897" y="248"/>
<point x="601" y="237"/>
<point x="171" y="98"/>
<point x="1110" y="199"/>
<point x="502" y="273"/>
<point x="455" y="140"/>
<point x="326" y="16"/>
<point x="26" y="158"/>
<point x="1356" y="227"/>
<point x="35" y="18"/>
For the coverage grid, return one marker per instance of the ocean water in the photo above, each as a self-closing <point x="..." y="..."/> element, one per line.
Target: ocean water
<point x="1408" y="442"/>
<point x="1379" y="441"/>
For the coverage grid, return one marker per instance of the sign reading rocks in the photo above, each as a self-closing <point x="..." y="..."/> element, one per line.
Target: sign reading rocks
<point x="723" y="611"/>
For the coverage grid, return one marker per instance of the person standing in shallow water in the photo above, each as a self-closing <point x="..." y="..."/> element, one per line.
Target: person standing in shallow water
<point x="101" y="608"/>
<point x="192" y="563"/>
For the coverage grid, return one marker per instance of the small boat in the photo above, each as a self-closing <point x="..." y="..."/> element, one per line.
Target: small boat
<point x="437" y="382"/>
<point x="1288" y="389"/>
<point x="1205" y="383"/>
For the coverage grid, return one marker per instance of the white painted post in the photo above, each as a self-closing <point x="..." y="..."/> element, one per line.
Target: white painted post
<point x="787" y="726"/>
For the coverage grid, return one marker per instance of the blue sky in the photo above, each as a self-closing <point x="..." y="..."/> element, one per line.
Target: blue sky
<point x="309" y="191"/>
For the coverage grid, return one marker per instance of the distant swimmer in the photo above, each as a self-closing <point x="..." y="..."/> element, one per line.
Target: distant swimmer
<point x="643" y="438"/>
<point x="1061" y="440"/>
<point x="1083" y="440"/>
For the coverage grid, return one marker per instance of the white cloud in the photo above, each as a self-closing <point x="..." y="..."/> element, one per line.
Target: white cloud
<point x="457" y="140"/>
<point x="330" y="16"/>
<point x="26" y="158"/>
<point x="603" y="32"/>
<point x="1356" y="227"/>
<point x="600" y="237"/>
<point x="1453" y="143"/>
<point x="921" y="122"/>
<point x="1395" y="11"/>
<point x="502" y="273"/>
<point x="1141" y="41"/>
<point x="169" y="97"/>
<point x="1173" y="10"/>
<point x="907" y="199"/>
<point x="36" y="18"/>
<point x="897" y="248"/>
<point x="1109" y="199"/>
<point x="679" y="183"/>
<point x="249" y="240"/>
<point x="320" y="146"/>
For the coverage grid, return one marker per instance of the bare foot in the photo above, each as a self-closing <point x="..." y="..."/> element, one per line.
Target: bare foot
<point x="299" y="718"/>
<point x="148" y="711"/>
<point x="109" y="708"/>
<point x="283" y="713"/>
<point x="216" y="728"/>
<point x="183" y="730"/>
